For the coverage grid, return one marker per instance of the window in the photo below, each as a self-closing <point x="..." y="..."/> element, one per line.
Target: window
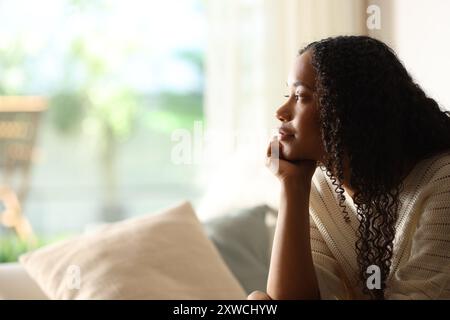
<point x="116" y="78"/>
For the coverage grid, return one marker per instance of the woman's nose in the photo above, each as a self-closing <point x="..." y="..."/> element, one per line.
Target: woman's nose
<point x="283" y="113"/>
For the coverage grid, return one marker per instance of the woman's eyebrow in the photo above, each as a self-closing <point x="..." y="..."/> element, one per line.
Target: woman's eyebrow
<point x="300" y="83"/>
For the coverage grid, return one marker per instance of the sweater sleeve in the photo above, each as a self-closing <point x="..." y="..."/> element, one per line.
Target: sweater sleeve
<point x="327" y="268"/>
<point x="426" y="273"/>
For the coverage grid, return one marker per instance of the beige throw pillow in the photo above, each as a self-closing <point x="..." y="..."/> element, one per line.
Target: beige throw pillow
<point x="166" y="255"/>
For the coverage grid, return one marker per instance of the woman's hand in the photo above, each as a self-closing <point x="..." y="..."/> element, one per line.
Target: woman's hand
<point x="291" y="273"/>
<point x="284" y="170"/>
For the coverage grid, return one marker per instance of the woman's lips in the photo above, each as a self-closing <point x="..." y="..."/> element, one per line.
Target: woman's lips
<point x="285" y="135"/>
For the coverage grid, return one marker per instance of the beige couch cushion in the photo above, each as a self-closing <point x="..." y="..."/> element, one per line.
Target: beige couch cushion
<point x="158" y="256"/>
<point x="16" y="284"/>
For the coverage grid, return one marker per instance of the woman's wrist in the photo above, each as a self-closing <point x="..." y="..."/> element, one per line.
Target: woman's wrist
<point x="295" y="197"/>
<point x="296" y="183"/>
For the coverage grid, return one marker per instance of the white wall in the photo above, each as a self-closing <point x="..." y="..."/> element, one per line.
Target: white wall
<point x="419" y="31"/>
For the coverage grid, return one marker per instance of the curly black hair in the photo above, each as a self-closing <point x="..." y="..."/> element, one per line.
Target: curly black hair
<point x="375" y="118"/>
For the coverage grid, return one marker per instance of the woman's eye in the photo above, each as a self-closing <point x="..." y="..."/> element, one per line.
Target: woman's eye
<point x="302" y="97"/>
<point x="297" y="96"/>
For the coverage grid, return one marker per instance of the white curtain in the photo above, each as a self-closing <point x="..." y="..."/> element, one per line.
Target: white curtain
<point x="251" y="46"/>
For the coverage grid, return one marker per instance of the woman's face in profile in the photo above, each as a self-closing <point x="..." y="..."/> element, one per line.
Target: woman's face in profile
<point x="300" y="136"/>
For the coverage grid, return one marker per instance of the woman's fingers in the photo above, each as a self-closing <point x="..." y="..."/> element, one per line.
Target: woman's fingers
<point x="301" y="169"/>
<point x="273" y="148"/>
<point x="273" y="155"/>
<point x="269" y="147"/>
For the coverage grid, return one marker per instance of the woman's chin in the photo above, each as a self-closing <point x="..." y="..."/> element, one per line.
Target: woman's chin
<point x="291" y="158"/>
<point x="290" y="154"/>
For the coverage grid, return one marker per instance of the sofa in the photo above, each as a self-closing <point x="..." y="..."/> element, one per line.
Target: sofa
<point x="15" y="283"/>
<point x="241" y="239"/>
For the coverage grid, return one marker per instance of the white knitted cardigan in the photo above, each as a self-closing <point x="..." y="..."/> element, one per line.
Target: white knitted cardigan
<point x="421" y="259"/>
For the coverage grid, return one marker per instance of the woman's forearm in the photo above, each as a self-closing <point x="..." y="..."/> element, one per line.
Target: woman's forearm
<point x="292" y="274"/>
